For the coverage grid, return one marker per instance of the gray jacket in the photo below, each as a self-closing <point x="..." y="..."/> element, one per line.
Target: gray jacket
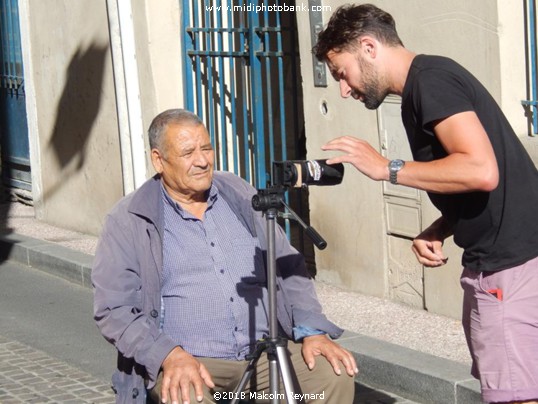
<point x="127" y="273"/>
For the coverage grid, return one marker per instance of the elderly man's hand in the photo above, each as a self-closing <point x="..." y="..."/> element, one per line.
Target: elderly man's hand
<point x="180" y="371"/>
<point x="317" y="345"/>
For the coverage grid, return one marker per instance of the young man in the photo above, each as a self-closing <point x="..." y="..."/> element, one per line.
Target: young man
<point x="476" y="172"/>
<point x="180" y="284"/>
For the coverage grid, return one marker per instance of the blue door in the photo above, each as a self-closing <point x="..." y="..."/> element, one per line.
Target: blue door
<point x="13" y="124"/>
<point x="242" y="77"/>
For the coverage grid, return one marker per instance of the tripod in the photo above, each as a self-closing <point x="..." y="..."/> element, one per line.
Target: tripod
<point x="269" y="201"/>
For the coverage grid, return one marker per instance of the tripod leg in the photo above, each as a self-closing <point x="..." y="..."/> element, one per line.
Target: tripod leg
<point x="244" y="379"/>
<point x="285" y="371"/>
<point x="273" y="377"/>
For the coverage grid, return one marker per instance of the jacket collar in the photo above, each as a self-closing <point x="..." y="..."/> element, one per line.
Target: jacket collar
<point x="147" y="201"/>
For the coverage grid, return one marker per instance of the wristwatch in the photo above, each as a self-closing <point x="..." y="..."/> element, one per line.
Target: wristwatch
<point x="394" y="167"/>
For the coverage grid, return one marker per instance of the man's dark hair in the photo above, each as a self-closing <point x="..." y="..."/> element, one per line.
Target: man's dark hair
<point x="350" y="22"/>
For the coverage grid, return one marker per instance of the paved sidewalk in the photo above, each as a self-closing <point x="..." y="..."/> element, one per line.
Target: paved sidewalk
<point x="426" y="370"/>
<point x="28" y="375"/>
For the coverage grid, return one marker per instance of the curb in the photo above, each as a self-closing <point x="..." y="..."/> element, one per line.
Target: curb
<point x="412" y="374"/>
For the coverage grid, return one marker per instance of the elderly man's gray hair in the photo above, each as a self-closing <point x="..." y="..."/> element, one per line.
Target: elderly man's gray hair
<point x="169" y="117"/>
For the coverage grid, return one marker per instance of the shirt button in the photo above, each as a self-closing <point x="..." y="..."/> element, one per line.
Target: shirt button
<point x="212" y="244"/>
<point x="222" y="271"/>
<point x="231" y="299"/>
<point x="154" y="313"/>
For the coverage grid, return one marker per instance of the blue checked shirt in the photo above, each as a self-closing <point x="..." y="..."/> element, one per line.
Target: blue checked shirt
<point x="213" y="288"/>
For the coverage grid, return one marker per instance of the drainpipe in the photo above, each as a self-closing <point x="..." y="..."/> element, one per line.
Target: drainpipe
<point x="133" y="157"/>
<point x="31" y="109"/>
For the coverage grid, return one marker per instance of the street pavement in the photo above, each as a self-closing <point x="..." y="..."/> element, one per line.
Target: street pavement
<point x="52" y="352"/>
<point x="50" y="349"/>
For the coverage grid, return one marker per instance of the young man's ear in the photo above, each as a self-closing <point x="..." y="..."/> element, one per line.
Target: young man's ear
<point x="368" y="46"/>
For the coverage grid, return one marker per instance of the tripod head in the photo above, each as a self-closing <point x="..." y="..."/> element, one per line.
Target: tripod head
<point x="272" y="198"/>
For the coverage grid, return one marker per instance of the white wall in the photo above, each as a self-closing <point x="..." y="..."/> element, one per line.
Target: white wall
<point x="72" y="113"/>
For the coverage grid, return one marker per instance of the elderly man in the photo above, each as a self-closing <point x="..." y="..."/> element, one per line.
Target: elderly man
<point x="180" y="284"/>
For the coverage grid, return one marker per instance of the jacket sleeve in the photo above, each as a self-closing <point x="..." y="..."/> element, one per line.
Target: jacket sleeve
<point x="123" y="307"/>
<point x="298" y="289"/>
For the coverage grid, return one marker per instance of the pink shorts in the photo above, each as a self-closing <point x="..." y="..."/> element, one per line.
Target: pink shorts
<point x="500" y="319"/>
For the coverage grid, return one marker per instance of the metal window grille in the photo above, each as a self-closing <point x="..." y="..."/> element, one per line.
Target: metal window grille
<point x="11" y="55"/>
<point x="240" y="75"/>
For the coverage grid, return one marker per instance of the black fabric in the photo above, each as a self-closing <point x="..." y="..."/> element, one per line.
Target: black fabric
<point x="497" y="229"/>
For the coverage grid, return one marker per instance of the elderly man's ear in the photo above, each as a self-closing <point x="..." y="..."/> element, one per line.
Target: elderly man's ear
<point x="156" y="160"/>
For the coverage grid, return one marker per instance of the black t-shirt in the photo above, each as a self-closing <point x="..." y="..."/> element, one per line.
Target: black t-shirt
<point x="497" y="229"/>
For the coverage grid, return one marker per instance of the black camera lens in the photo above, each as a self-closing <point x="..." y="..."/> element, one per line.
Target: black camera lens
<point x="318" y="172"/>
<point x="301" y="173"/>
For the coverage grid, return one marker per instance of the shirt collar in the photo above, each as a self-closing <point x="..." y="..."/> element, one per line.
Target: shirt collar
<point x="213" y="193"/>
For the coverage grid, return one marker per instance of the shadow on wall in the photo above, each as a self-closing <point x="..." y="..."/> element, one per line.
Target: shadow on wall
<point x="77" y="111"/>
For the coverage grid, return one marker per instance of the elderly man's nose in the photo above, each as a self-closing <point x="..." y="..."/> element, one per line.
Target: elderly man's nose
<point x="201" y="157"/>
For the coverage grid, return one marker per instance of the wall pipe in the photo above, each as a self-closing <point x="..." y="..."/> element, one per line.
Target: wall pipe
<point x="121" y="97"/>
<point x="127" y="86"/>
<point x="31" y="108"/>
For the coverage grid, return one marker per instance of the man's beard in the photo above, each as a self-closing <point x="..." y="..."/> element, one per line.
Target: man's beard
<point x="372" y="94"/>
<point x="372" y="97"/>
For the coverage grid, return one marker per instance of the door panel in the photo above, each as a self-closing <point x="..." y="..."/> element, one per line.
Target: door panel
<point x="13" y="126"/>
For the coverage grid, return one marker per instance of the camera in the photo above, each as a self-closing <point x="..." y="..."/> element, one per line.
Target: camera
<point x="302" y="173"/>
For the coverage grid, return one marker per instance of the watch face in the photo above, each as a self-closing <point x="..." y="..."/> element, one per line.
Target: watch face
<point x="396" y="165"/>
